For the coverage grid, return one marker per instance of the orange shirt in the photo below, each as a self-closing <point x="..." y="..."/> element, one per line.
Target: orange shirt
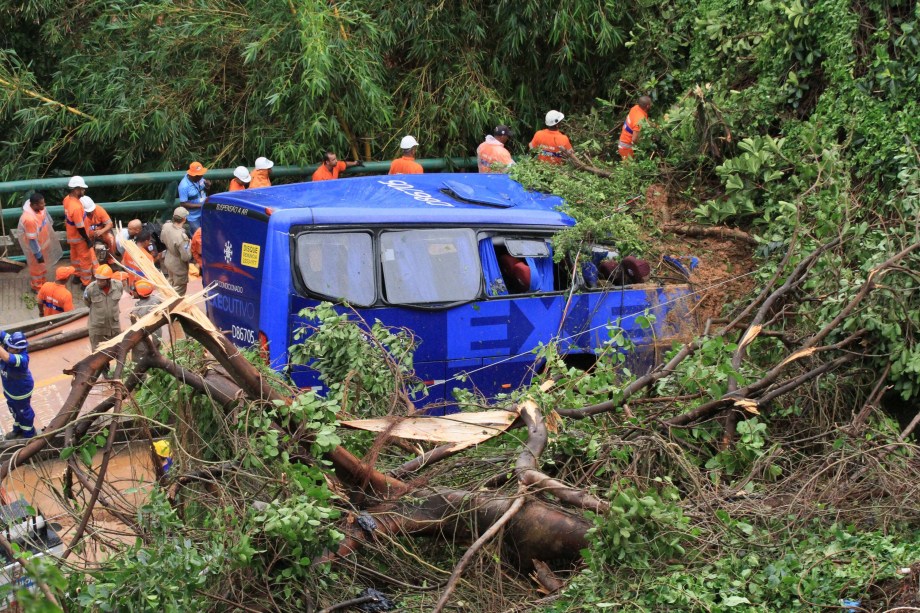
<point x="236" y="185"/>
<point x="259" y="179"/>
<point x="196" y="246"/>
<point x="406" y="165"/>
<point x="73" y="218"/>
<point x="631" y="126"/>
<point x="97" y="219"/>
<point x="54" y="298"/>
<point x="551" y="143"/>
<point x="134" y="272"/>
<point x="323" y="174"/>
<point x="492" y="156"/>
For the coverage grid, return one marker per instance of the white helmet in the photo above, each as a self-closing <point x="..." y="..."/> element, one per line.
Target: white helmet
<point x="76" y="181"/>
<point x="408" y="142"/>
<point x="554" y="117"/>
<point x="242" y="173"/>
<point x="88" y="204"/>
<point x="263" y="163"/>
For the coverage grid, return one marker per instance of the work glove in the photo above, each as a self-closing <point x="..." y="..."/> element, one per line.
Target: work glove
<point x="89" y="243"/>
<point x="40" y="258"/>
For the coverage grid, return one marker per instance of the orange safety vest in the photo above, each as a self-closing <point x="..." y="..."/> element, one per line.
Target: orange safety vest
<point x="492" y="156"/>
<point x="631" y="126"/>
<point x="323" y="174"/>
<point x="551" y="143"/>
<point x="133" y="270"/>
<point x="73" y="217"/>
<point x="236" y="185"/>
<point x="196" y="247"/>
<point x="54" y="298"/>
<point x="259" y="179"/>
<point x="406" y="165"/>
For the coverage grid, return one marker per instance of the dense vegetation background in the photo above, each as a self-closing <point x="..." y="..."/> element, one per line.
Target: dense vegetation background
<point x="794" y="120"/>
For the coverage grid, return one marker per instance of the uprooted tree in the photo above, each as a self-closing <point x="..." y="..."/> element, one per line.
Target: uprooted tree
<point x="267" y="508"/>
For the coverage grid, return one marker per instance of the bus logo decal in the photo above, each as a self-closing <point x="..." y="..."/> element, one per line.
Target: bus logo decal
<point x="415" y="194"/>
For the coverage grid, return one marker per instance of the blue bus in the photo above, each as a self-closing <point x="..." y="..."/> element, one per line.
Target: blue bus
<point x="465" y="261"/>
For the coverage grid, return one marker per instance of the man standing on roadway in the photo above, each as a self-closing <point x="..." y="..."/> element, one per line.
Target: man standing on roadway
<point x="18" y="384"/>
<point x="331" y="167"/>
<point x="241" y="179"/>
<point x="631" y="126"/>
<point x="193" y="190"/>
<point x="492" y="155"/>
<point x="261" y="174"/>
<point x="54" y="298"/>
<point x="37" y="239"/>
<point x="406" y="165"/>
<point x="551" y="142"/>
<point x="178" y="250"/>
<point x="80" y="243"/>
<point x="102" y="297"/>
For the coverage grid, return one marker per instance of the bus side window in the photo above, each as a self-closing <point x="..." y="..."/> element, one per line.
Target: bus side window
<point x="517" y="265"/>
<point x="334" y="265"/>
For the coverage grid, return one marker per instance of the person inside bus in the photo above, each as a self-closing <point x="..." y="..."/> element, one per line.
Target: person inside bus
<point x="515" y="272"/>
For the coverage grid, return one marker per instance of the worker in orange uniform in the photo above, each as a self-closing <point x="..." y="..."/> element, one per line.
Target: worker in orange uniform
<point x="631" y="126"/>
<point x="491" y="154"/>
<point x="331" y="167"/>
<point x="81" y="245"/>
<point x="261" y="174"/>
<point x="241" y="179"/>
<point x="134" y="271"/>
<point x="551" y="142"/>
<point x="37" y="239"/>
<point x="196" y="247"/>
<point x="99" y="226"/>
<point x="54" y="298"/>
<point x="406" y="165"/>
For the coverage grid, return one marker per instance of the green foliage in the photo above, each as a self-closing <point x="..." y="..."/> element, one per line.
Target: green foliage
<point x="753" y="571"/>
<point x="600" y="205"/>
<point x="366" y="364"/>
<point x="164" y="574"/>
<point x="641" y="528"/>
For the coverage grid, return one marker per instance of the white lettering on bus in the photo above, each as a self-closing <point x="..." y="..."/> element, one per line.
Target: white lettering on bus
<point x="416" y="194"/>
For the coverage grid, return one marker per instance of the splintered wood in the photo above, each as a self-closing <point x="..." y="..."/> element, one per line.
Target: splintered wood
<point x="187" y="306"/>
<point x="464" y="429"/>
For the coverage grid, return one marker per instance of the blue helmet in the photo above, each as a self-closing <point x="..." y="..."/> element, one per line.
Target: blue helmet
<point x="17" y="340"/>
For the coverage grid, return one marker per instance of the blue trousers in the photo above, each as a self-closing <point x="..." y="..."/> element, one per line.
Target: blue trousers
<point x="23" y="416"/>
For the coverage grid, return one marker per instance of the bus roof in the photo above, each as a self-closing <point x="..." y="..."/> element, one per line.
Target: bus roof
<point x="425" y="199"/>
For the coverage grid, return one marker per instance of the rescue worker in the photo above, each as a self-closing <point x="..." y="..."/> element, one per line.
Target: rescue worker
<point x="17" y="384"/>
<point x="99" y="226"/>
<point x="331" y="167"/>
<point x="54" y="298"/>
<point x="178" y="250"/>
<point x="127" y="233"/>
<point x="631" y="126"/>
<point x="134" y="271"/>
<point x="81" y="245"/>
<point x="37" y="239"/>
<point x="241" y="179"/>
<point x="154" y="246"/>
<point x="196" y="248"/>
<point x="146" y="302"/>
<point x="164" y="454"/>
<point x="102" y="297"/>
<point x="261" y="174"/>
<point x="406" y="165"/>
<point x="551" y="142"/>
<point x="491" y="153"/>
<point x="193" y="189"/>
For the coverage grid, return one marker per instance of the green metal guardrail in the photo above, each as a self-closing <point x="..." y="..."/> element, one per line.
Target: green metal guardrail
<point x="171" y="180"/>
